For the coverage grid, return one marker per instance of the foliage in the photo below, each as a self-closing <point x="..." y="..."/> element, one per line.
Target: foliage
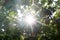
<point x="10" y="29"/>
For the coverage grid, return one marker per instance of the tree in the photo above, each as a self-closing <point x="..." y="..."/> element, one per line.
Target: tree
<point x="47" y="14"/>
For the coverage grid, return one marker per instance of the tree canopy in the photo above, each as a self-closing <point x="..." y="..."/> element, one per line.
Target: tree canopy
<point x="29" y="19"/>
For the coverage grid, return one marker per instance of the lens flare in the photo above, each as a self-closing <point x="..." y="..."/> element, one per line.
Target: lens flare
<point x="29" y="19"/>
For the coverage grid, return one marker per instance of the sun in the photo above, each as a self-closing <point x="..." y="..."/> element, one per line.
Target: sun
<point x="30" y="19"/>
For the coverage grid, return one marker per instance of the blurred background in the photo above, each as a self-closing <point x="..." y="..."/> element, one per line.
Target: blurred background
<point x="29" y="19"/>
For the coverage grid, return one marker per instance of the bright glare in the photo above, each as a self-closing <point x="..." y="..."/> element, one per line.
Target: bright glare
<point x="19" y="13"/>
<point x="3" y="30"/>
<point x="55" y="0"/>
<point x="29" y="19"/>
<point x="22" y="7"/>
<point x="28" y="15"/>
